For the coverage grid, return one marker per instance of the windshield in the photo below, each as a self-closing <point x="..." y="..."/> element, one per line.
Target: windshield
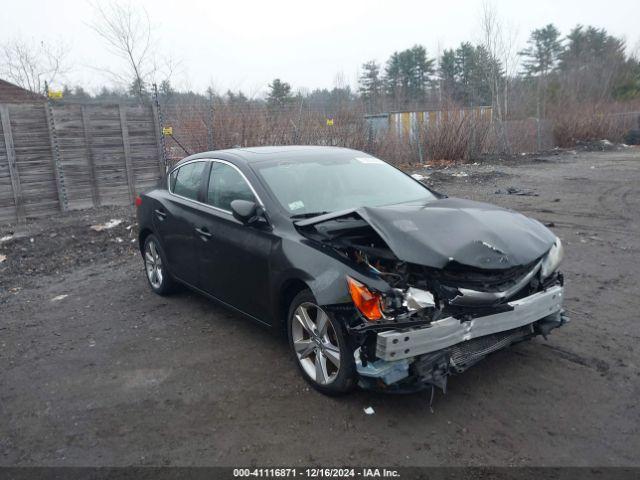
<point x="319" y="186"/>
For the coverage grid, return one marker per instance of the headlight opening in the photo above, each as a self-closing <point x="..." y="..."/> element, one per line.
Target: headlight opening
<point x="552" y="260"/>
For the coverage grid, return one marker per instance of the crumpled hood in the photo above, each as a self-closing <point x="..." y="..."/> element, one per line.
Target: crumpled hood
<point x="455" y="230"/>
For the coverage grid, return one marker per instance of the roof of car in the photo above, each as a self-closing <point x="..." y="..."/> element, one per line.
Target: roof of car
<point x="286" y="152"/>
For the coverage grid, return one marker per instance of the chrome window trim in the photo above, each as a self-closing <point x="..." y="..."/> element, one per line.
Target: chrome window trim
<point x="218" y="160"/>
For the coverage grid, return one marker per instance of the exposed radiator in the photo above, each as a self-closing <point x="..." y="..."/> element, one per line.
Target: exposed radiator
<point x="465" y="354"/>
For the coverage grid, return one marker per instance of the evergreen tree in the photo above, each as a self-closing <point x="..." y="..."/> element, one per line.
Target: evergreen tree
<point x="628" y="85"/>
<point x="470" y="72"/>
<point x="418" y="69"/>
<point x="392" y="76"/>
<point x="236" y="98"/>
<point x="592" y="64"/>
<point x="591" y="47"/>
<point x="80" y="93"/>
<point x="448" y="73"/>
<point x="408" y="75"/>
<point x="485" y="70"/>
<point x="166" y="89"/>
<point x="138" y="89"/>
<point x="465" y="74"/>
<point x="543" y="51"/>
<point x="370" y="83"/>
<point x="279" y="93"/>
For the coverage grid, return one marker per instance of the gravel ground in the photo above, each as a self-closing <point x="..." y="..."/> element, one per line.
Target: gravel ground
<point x="97" y="370"/>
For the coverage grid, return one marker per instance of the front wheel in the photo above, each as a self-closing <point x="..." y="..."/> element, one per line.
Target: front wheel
<point x="319" y="346"/>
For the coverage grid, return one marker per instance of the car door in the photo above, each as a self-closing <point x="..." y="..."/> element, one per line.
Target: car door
<point x="234" y="257"/>
<point x="175" y="219"/>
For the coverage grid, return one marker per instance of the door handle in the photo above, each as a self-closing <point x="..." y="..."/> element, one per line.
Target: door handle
<point x="161" y="213"/>
<point x="203" y="232"/>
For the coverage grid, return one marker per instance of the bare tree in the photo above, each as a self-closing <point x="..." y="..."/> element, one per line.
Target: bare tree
<point x="128" y="34"/>
<point x="32" y="65"/>
<point x="498" y="49"/>
<point x="510" y="63"/>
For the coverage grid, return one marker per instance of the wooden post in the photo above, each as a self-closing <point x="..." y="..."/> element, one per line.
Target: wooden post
<point x="13" y="167"/>
<point x="127" y="152"/>
<point x="58" y="172"/>
<point x="95" y="194"/>
<point x="156" y="129"/>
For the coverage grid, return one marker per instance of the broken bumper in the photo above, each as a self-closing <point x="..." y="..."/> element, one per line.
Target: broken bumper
<point x="397" y="345"/>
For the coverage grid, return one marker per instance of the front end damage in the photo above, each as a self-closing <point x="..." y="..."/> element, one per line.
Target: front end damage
<point x="443" y="310"/>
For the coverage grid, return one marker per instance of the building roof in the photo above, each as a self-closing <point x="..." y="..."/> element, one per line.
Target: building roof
<point x="10" y="93"/>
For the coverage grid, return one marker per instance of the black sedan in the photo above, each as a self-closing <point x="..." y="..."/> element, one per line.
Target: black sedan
<point x="377" y="280"/>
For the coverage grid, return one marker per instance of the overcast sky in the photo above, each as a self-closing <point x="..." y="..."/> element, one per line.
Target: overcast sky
<point x="243" y="44"/>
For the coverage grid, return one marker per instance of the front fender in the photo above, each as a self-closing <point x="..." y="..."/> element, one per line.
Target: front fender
<point x="322" y="269"/>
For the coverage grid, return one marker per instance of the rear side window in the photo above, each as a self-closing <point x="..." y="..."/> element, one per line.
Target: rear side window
<point x="185" y="181"/>
<point x="226" y="184"/>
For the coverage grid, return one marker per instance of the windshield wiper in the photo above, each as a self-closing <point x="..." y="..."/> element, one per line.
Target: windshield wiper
<point x="308" y="214"/>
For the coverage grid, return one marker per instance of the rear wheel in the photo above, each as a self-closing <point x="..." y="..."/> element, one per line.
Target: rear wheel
<point x="319" y="346"/>
<point x="159" y="278"/>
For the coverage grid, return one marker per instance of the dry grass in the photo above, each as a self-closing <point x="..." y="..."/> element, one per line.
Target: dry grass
<point x="458" y="138"/>
<point x="589" y="122"/>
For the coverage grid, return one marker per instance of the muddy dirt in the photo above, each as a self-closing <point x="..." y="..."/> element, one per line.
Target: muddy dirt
<point x="97" y="370"/>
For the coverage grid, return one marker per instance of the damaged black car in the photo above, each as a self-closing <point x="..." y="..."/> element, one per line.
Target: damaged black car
<point x="377" y="280"/>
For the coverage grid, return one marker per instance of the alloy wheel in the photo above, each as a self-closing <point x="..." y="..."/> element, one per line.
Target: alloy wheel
<point x="153" y="264"/>
<point x="315" y="343"/>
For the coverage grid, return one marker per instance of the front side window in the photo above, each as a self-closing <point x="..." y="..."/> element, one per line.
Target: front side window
<point x="226" y="184"/>
<point x="185" y="181"/>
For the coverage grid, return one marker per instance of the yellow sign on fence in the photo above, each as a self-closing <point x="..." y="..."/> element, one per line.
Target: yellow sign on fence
<point x="167" y="131"/>
<point x="329" y="122"/>
<point x="55" y="94"/>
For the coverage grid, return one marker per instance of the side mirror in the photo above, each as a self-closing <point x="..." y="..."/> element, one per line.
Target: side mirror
<point x="247" y="212"/>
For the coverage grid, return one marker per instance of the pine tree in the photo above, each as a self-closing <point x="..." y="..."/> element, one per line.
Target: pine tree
<point x="138" y="89"/>
<point x="408" y="75"/>
<point x="419" y="69"/>
<point x="370" y="83"/>
<point x="393" y="76"/>
<point x="592" y="64"/>
<point x="279" y="93"/>
<point x="448" y="73"/>
<point x="591" y="46"/>
<point x="540" y="60"/>
<point x="465" y="74"/>
<point x="544" y="50"/>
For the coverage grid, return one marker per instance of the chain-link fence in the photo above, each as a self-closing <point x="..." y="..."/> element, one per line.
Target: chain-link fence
<point x="451" y="133"/>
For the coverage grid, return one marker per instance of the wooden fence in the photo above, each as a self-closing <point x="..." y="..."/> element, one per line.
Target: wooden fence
<point x="58" y="157"/>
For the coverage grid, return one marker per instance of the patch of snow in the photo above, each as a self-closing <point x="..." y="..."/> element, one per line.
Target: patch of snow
<point x="114" y="222"/>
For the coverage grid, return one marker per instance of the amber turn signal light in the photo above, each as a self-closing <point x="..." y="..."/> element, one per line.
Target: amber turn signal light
<point x="365" y="300"/>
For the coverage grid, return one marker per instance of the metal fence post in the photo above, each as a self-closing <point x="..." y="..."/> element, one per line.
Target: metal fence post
<point x="58" y="170"/>
<point x="159" y="125"/>
<point x="210" y="140"/>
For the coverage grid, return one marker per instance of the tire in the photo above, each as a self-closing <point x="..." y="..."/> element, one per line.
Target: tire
<point x="315" y="351"/>
<point x="155" y="267"/>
